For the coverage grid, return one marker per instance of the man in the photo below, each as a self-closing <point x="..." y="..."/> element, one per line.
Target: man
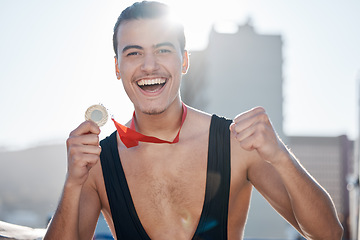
<point x="196" y="186"/>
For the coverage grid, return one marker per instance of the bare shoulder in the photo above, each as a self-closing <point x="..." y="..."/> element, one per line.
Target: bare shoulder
<point x="197" y="122"/>
<point x="197" y="115"/>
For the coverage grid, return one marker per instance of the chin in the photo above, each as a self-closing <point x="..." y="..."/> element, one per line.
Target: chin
<point x="153" y="111"/>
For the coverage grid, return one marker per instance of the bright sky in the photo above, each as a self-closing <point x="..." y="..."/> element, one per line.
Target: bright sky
<point x="56" y="59"/>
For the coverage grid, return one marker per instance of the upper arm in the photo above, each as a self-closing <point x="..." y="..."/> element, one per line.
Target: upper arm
<point x="90" y="206"/>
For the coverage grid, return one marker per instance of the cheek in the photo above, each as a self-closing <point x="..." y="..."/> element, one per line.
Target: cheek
<point x="176" y="65"/>
<point x="126" y="70"/>
<point x="128" y="89"/>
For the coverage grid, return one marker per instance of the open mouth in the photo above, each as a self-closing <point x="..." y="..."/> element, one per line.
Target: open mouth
<point x="151" y="85"/>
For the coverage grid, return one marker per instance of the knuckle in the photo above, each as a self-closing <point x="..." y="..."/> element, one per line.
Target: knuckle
<point x="93" y="139"/>
<point x="99" y="150"/>
<point x="259" y="109"/>
<point x="263" y="116"/>
<point x="259" y="136"/>
<point x="73" y="151"/>
<point x="76" y="159"/>
<point x="97" y="138"/>
<point x="236" y="128"/>
<point x="261" y="126"/>
<point x="72" y="133"/>
<point x="69" y="141"/>
<point x="76" y="156"/>
<point x="87" y="123"/>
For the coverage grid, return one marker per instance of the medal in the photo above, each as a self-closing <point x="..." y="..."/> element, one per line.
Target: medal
<point x="97" y="113"/>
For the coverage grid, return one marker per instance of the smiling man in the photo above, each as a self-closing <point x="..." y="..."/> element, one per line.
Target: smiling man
<point x="176" y="172"/>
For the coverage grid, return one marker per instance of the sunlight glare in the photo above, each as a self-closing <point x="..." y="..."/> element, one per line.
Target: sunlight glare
<point x="228" y="27"/>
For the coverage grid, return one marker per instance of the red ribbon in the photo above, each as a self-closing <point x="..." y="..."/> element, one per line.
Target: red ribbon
<point x="130" y="137"/>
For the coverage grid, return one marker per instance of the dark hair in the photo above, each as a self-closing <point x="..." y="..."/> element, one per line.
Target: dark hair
<point x="147" y="10"/>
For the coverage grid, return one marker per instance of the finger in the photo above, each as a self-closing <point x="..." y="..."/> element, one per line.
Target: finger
<point x="249" y="114"/>
<point x="252" y="139"/>
<point x="81" y="161"/>
<point x="248" y="143"/>
<point x="90" y="139"/>
<point x="91" y="159"/>
<point x="245" y="123"/>
<point x="89" y="149"/>
<point x="86" y="139"/>
<point x="247" y="132"/>
<point x="86" y="127"/>
<point x="77" y="150"/>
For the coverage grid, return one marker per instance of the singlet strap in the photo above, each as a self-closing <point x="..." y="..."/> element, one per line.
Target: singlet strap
<point x="214" y="220"/>
<point x="126" y="222"/>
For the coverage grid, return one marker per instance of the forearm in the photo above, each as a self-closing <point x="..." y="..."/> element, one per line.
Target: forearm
<point x="312" y="206"/>
<point x="69" y="221"/>
<point x="65" y="223"/>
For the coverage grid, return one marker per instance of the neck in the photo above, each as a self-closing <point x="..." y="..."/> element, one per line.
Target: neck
<point x="164" y="125"/>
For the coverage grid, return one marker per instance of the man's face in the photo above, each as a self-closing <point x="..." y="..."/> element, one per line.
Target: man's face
<point x="150" y="63"/>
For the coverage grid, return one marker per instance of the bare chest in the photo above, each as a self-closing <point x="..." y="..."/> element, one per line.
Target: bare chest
<point x="167" y="186"/>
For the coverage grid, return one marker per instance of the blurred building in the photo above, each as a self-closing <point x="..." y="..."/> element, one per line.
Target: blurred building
<point x="238" y="71"/>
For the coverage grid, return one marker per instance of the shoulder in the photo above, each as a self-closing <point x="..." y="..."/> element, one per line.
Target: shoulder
<point x="201" y="118"/>
<point x="195" y="130"/>
<point x="194" y="114"/>
<point x="196" y="120"/>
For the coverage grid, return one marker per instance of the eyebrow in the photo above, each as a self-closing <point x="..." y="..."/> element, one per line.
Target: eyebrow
<point x="132" y="46"/>
<point x="164" y="44"/>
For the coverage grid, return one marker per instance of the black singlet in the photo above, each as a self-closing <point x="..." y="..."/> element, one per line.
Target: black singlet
<point x="214" y="215"/>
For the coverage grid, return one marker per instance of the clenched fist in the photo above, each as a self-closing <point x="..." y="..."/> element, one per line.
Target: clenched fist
<point x="254" y="131"/>
<point x="83" y="151"/>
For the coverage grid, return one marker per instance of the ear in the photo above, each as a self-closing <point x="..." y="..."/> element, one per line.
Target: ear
<point x="117" y="71"/>
<point x="185" y="64"/>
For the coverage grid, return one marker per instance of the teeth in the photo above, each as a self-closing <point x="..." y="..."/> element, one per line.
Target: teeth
<point x="144" y="82"/>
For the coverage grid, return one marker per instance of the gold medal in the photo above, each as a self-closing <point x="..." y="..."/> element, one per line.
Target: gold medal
<point x="98" y="114"/>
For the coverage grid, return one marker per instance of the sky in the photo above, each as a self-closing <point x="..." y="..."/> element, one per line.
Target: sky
<point x="56" y="60"/>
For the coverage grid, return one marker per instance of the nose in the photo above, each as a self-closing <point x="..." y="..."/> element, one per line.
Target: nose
<point x="149" y="64"/>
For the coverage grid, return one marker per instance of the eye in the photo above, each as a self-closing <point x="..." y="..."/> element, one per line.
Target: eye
<point x="132" y="54"/>
<point x="164" y="50"/>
